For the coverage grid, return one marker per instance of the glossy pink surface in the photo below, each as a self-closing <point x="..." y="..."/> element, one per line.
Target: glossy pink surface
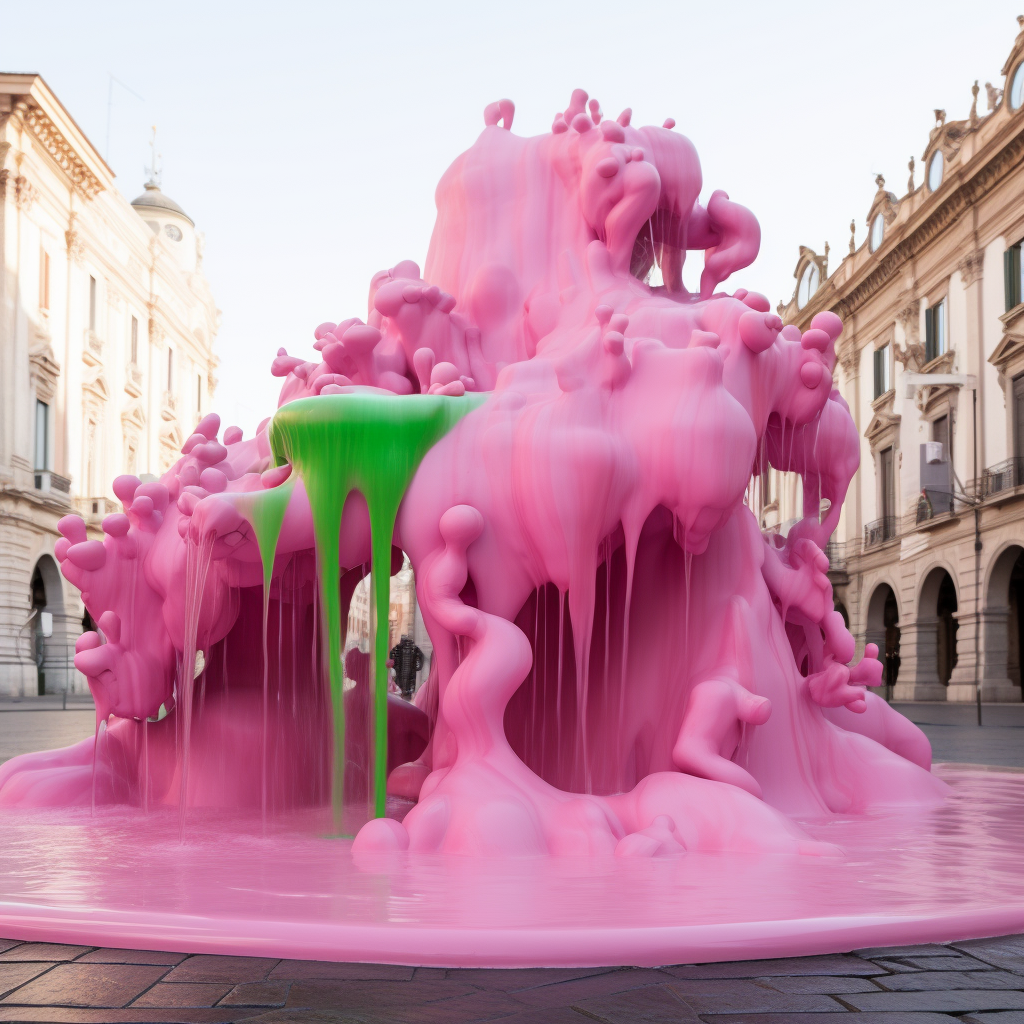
<point x="626" y="671"/>
<point x="947" y="873"/>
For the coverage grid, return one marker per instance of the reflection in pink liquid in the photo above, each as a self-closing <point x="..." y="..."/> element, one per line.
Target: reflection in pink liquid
<point x="950" y="872"/>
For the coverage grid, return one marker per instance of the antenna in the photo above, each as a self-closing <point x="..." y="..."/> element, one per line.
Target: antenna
<point x="110" y="105"/>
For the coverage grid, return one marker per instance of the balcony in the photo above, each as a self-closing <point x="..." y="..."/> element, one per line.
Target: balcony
<point x="1001" y="479"/>
<point x="881" y="531"/>
<point x="836" y="551"/>
<point x="46" y="480"/>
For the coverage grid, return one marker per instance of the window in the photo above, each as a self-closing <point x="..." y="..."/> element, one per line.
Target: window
<point x="1017" y="88"/>
<point x="888" y="484"/>
<point x="935" y="171"/>
<point x="883" y="378"/>
<point x="92" y="303"/>
<point x="135" y="340"/>
<point x="940" y="433"/>
<point x="44" y="279"/>
<point x="199" y="393"/>
<point x="170" y="369"/>
<point x="173" y="232"/>
<point x="42" y="452"/>
<point x="1018" y="416"/>
<point x="935" y="340"/>
<point x="877" y="231"/>
<point x="1012" y="276"/>
<point x="809" y="280"/>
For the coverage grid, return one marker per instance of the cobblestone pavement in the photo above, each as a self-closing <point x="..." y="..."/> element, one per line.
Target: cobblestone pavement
<point x="955" y="736"/>
<point x="977" y="982"/>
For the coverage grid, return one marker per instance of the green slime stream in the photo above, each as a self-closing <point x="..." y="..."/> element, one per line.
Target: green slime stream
<point x="366" y="442"/>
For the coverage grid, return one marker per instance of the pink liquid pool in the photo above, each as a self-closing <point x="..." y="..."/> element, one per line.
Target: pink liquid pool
<point x="126" y="881"/>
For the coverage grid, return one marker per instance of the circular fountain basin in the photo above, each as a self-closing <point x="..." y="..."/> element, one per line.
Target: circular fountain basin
<point x="121" y="878"/>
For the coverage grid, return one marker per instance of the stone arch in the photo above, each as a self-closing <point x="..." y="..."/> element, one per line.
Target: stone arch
<point x="1003" y="625"/>
<point x="53" y="654"/>
<point x="883" y="629"/>
<point x="937" y="605"/>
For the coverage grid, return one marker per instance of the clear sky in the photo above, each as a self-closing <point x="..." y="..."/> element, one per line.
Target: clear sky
<point x="306" y="139"/>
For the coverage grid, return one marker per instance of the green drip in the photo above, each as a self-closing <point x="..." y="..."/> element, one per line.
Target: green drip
<point x="371" y="443"/>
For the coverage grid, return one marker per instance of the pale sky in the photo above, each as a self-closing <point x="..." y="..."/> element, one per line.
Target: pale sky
<point x="306" y="139"/>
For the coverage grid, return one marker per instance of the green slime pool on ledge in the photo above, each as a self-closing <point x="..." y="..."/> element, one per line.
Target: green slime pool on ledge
<point x="367" y="442"/>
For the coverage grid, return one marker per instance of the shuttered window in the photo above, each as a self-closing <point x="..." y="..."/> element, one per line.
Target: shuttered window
<point x="882" y="378"/>
<point x="1011" y="276"/>
<point x="935" y="340"/>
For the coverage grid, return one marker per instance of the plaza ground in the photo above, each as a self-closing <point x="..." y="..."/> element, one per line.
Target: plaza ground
<point x="975" y="982"/>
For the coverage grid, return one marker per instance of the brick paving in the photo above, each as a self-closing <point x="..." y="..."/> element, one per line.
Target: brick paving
<point x="976" y="982"/>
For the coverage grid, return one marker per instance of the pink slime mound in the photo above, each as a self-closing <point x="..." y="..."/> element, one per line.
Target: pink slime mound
<point x="623" y="663"/>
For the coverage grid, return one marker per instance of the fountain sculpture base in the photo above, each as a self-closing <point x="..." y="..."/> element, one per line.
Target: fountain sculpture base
<point x="946" y="873"/>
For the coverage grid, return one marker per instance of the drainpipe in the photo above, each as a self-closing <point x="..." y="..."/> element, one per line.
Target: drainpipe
<point x="977" y="561"/>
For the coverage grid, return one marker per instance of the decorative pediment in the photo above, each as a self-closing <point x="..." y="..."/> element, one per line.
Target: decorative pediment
<point x="61" y="152"/>
<point x="95" y="389"/>
<point x="929" y="398"/>
<point x="1017" y="53"/>
<point x="884" y="426"/>
<point x="884" y="202"/>
<point x="133" y="380"/>
<point x="1008" y="358"/>
<point x="43" y="367"/>
<point x="133" y="418"/>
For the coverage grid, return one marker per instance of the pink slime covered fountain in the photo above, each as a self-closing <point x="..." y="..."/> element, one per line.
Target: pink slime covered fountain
<point x="643" y="737"/>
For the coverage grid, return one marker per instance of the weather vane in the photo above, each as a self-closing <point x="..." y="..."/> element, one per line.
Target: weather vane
<point x="154" y="168"/>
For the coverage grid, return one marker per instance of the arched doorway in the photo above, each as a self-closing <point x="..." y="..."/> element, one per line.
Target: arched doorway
<point x="51" y="653"/>
<point x="936" y="614"/>
<point x="883" y="629"/>
<point x="1003" y="651"/>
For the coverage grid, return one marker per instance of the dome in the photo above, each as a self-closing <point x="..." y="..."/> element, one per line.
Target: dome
<point x="153" y="198"/>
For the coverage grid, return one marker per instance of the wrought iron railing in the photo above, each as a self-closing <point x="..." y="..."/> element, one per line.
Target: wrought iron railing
<point x="1002" y="477"/>
<point x="881" y="531"/>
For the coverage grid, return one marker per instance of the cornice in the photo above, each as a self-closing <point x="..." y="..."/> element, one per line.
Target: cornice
<point x="848" y="299"/>
<point x="61" y="151"/>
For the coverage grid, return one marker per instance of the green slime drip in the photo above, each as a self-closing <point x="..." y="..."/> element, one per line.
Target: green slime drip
<point x="371" y="443"/>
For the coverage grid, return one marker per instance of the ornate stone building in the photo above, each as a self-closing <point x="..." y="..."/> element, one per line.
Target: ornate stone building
<point x="928" y="560"/>
<point x="106" y="361"/>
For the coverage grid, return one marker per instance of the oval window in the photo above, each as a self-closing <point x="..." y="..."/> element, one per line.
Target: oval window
<point x="877" y="231"/>
<point x="808" y="285"/>
<point x="1017" y="89"/>
<point x="935" y="172"/>
<point x="173" y="232"/>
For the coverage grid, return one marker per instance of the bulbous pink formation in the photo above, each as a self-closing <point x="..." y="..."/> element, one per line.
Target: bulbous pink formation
<point x="623" y="663"/>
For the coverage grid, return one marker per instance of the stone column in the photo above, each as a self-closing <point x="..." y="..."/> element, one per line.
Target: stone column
<point x="995" y="681"/>
<point x="919" y="670"/>
<point x="961" y="682"/>
<point x="17" y="669"/>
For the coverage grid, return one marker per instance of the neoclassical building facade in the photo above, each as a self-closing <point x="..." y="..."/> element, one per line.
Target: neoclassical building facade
<point x="928" y="560"/>
<point x="107" y="326"/>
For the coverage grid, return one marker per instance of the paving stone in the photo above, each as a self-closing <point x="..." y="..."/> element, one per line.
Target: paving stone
<point x="71" y="1015"/>
<point x="895" y="967"/>
<point x="514" y="980"/>
<point x="477" y="1006"/>
<point x="833" y="965"/>
<point x="434" y="973"/>
<point x="87" y="985"/>
<point x="352" y="996"/>
<point x="959" y="962"/>
<point x="570" y="992"/>
<point x="182" y="994"/>
<point x="932" y="981"/>
<point x="6" y="944"/>
<point x="949" y="1001"/>
<point x="899" y="952"/>
<point x="228" y="970"/>
<point x="1006" y="1017"/>
<point x="257" y="993"/>
<point x="131" y="956"/>
<point x="54" y="951"/>
<point x="829" y="1018"/>
<point x="13" y="975"/>
<point x="307" y="1017"/>
<point x="1006" y="952"/>
<point x="649" y="1005"/>
<point x="819" y="984"/>
<point x="550" y="1015"/>
<point x="302" y="970"/>
<point x="756" y="999"/>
